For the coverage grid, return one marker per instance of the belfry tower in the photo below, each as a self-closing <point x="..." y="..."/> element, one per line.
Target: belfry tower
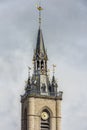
<point x="41" y="102"/>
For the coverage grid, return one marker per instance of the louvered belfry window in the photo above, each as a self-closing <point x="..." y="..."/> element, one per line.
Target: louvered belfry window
<point x="45" y="120"/>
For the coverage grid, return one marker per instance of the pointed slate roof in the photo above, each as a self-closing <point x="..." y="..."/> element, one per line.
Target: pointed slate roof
<point x="40" y="48"/>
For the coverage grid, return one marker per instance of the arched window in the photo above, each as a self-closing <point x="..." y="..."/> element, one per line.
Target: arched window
<point x="38" y="65"/>
<point x="42" y="64"/>
<point x="25" y="119"/>
<point x="45" y="120"/>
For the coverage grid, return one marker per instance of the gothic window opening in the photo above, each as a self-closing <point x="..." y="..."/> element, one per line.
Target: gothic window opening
<point x="25" y="119"/>
<point x="45" y="120"/>
<point x="42" y="64"/>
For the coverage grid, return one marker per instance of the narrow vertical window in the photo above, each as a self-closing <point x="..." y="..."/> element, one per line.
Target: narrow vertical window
<point x="42" y="64"/>
<point x="38" y="65"/>
<point x="25" y="119"/>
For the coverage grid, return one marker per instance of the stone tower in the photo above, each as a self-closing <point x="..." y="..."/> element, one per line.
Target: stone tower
<point x="41" y="102"/>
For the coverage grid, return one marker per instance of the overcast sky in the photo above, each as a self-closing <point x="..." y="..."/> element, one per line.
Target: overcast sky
<point x="64" y="25"/>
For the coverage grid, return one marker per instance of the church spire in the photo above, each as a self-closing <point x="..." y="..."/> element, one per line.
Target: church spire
<point x="40" y="56"/>
<point x="40" y="48"/>
<point x="39" y="83"/>
<point x="41" y="102"/>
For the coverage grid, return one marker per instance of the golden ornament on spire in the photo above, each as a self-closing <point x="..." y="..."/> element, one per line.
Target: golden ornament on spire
<point x="39" y="8"/>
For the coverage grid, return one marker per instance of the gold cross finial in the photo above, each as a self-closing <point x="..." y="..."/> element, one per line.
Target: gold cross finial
<point x="40" y="9"/>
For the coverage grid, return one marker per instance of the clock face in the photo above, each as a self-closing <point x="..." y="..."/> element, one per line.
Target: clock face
<point x="44" y="115"/>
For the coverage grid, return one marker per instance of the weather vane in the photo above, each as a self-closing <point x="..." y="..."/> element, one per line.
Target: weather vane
<point x="40" y="9"/>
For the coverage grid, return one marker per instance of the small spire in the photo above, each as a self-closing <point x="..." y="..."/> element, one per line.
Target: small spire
<point x="40" y="9"/>
<point x="29" y="75"/>
<point x="29" y="68"/>
<point x="54" y="69"/>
